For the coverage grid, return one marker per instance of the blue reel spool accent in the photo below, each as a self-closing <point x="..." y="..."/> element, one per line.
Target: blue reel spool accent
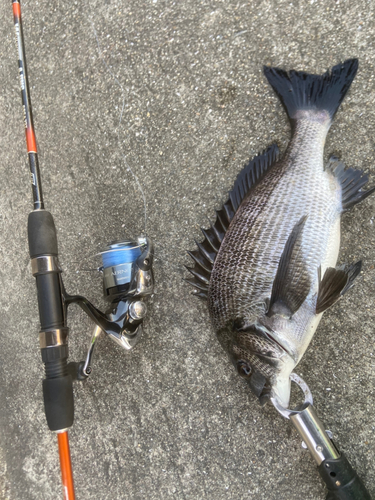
<point x="120" y="253"/>
<point x="118" y="259"/>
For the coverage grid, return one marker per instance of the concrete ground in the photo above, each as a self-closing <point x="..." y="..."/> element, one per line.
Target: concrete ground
<point x="172" y="419"/>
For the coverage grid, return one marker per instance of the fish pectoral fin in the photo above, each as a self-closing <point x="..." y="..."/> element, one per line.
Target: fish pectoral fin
<point x="351" y="181"/>
<point x="292" y="282"/>
<point x="335" y="283"/>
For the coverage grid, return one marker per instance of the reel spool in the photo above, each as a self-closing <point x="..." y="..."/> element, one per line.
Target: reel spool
<point x="127" y="280"/>
<point x="125" y="269"/>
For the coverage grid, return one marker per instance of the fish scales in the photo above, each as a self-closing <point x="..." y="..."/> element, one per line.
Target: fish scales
<point x="266" y="267"/>
<point x="247" y="261"/>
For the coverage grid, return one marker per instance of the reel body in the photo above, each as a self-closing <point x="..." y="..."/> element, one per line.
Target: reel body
<point x="127" y="280"/>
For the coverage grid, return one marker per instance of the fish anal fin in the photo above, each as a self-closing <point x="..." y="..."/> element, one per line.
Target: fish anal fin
<point x="292" y="283"/>
<point x="336" y="282"/>
<point x="351" y="181"/>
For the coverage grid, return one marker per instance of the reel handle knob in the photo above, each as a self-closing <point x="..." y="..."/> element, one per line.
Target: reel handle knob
<point x="137" y="310"/>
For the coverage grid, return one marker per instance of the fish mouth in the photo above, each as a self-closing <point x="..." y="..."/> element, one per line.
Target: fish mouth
<point x="280" y="388"/>
<point x="273" y="352"/>
<point x="281" y="391"/>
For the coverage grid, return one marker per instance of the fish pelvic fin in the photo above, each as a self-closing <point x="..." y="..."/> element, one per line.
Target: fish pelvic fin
<point x="204" y="256"/>
<point x="335" y="283"/>
<point x="351" y="181"/>
<point x="292" y="283"/>
<point x="300" y="91"/>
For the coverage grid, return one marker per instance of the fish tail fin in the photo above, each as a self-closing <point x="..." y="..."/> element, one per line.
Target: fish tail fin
<point x="300" y="91"/>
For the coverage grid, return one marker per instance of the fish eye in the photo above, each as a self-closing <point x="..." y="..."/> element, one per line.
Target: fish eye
<point x="244" y="369"/>
<point x="238" y="324"/>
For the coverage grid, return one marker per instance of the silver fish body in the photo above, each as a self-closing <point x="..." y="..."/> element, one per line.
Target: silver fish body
<point x="264" y="267"/>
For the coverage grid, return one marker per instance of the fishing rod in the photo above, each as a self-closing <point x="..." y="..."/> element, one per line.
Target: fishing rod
<point x="342" y="481"/>
<point x="127" y="280"/>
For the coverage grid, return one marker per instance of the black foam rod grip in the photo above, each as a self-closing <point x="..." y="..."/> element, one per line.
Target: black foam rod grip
<point x="51" y="307"/>
<point x="42" y="234"/>
<point x="342" y="481"/>
<point x="58" y="402"/>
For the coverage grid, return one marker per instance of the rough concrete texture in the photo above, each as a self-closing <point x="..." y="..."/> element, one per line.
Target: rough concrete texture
<point x="172" y="419"/>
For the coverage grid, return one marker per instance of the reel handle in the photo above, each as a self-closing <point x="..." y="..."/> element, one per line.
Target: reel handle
<point x="57" y="386"/>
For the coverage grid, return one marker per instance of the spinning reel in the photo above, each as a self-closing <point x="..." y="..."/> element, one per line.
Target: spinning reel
<point x="127" y="280"/>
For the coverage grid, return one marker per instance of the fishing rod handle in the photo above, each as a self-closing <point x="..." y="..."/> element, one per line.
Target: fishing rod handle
<point x="342" y="481"/>
<point x="57" y="386"/>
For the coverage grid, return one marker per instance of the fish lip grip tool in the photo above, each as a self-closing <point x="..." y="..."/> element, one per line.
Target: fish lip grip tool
<point x="341" y="479"/>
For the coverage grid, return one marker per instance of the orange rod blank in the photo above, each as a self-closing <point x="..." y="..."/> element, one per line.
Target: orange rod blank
<point x="66" y="465"/>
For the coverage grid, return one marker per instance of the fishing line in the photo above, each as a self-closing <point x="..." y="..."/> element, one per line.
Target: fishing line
<point x="118" y="83"/>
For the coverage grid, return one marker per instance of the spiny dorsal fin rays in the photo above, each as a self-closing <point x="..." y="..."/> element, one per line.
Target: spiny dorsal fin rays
<point x="222" y="220"/>
<point x="292" y="283"/>
<point x="199" y="274"/>
<point x="229" y="210"/>
<point x="200" y="260"/>
<point x="250" y="175"/>
<point x="352" y="181"/>
<point x="211" y="238"/>
<point x="206" y="250"/>
<point x="216" y="228"/>
<point x="195" y="284"/>
<point x="335" y="283"/>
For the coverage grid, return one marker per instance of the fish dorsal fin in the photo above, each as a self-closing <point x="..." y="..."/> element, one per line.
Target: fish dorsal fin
<point x="352" y="181"/>
<point x="251" y="174"/>
<point x="204" y="256"/>
<point x="335" y="283"/>
<point x="292" y="283"/>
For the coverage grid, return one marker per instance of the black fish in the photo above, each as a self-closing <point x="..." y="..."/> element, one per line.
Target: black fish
<point x="267" y="265"/>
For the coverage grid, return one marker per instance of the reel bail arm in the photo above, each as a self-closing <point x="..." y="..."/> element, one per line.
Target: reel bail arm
<point x="341" y="479"/>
